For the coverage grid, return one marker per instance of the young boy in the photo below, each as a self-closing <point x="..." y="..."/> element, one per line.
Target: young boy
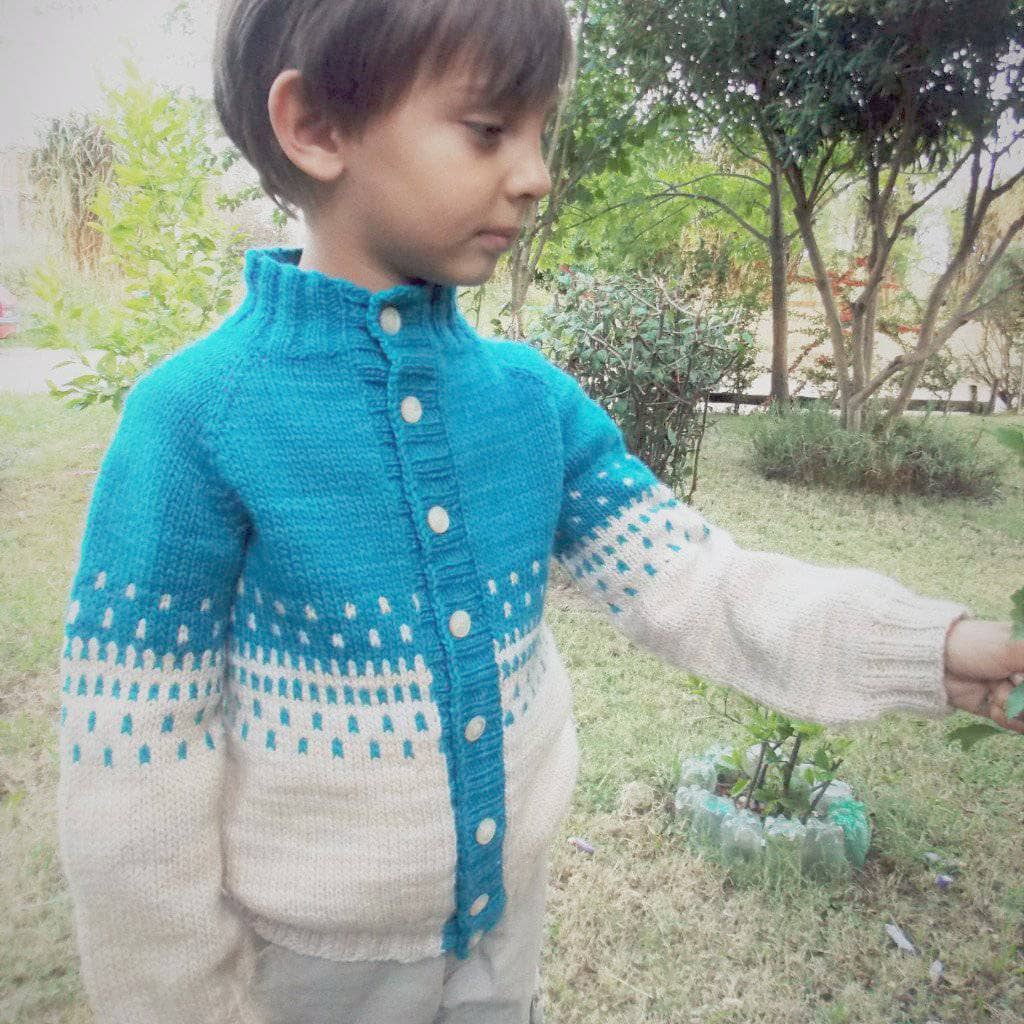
<point x="315" y="736"/>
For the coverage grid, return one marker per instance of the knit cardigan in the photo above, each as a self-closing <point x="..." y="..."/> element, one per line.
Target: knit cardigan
<point x="307" y="686"/>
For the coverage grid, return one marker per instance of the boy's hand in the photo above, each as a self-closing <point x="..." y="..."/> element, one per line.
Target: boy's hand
<point x="983" y="666"/>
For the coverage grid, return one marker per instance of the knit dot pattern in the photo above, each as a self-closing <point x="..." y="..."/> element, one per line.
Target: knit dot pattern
<point x="620" y="527"/>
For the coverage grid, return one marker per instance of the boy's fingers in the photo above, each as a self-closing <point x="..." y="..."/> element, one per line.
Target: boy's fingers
<point x="998" y="694"/>
<point x="986" y="700"/>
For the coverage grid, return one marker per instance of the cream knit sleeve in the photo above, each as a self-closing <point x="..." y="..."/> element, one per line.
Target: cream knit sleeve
<point x="141" y="748"/>
<point x="822" y="644"/>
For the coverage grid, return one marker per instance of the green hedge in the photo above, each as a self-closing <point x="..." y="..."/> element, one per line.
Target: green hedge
<point x="919" y="456"/>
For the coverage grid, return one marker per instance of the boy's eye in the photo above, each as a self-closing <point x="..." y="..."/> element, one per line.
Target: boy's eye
<point x="485" y="130"/>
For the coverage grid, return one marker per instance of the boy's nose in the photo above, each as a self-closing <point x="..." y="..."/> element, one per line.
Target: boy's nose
<point x="530" y="178"/>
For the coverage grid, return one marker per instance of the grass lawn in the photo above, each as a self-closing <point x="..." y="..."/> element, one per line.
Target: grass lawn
<point x="643" y="930"/>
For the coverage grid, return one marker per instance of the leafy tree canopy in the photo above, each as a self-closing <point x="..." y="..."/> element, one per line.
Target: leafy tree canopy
<point x="907" y="78"/>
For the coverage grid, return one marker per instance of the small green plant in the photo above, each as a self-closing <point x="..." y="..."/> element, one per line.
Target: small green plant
<point x="915" y="456"/>
<point x="780" y="783"/>
<point x="968" y="735"/>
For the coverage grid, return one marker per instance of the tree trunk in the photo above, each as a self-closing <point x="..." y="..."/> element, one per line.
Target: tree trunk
<point x="520" y="275"/>
<point x="932" y="337"/>
<point x="926" y="345"/>
<point x="905" y="393"/>
<point x="525" y="255"/>
<point x="778" y="249"/>
<point x="805" y="221"/>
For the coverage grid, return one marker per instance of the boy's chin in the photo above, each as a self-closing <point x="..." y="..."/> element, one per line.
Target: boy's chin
<point x="475" y="280"/>
<point x="469" y="275"/>
<point x="460" y="277"/>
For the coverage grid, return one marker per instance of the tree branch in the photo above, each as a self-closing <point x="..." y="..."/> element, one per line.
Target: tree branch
<point x="724" y="207"/>
<point x="899" y="156"/>
<point x="964" y="312"/>
<point x="716" y="174"/>
<point x="1008" y="184"/>
<point x="742" y="152"/>
<point x="820" y="172"/>
<point x="657" y="198"/>
<point x="909" y="212"/>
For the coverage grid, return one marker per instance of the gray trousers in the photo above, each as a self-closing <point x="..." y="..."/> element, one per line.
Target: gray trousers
<point x="498" y="984"/>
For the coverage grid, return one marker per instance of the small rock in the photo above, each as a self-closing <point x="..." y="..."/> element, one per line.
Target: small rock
<point x="896" y="934"/>
<point x="943" y="882"/>
<point x="635" y="798"/>
<point x="935" y="971"/>
<point x="932" y="858"/>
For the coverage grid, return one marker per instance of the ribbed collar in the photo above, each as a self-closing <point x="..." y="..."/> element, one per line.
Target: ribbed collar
<point x="305" y="312"/>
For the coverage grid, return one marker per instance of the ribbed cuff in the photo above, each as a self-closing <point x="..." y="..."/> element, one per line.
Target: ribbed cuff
<point x="902" y="652"/>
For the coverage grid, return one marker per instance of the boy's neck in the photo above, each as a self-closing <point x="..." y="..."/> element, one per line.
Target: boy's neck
<point x="333" y="260"/>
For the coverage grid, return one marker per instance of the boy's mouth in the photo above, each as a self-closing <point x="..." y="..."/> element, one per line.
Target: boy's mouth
<point x="498" y="238"/>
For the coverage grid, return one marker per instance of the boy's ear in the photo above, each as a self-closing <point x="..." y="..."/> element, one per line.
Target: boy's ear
<point x="312" y="143"/>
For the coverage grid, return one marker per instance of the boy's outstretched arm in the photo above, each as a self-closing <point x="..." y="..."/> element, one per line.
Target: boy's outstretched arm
<point x="142" y="755"/>
<point x="835" y="645"/>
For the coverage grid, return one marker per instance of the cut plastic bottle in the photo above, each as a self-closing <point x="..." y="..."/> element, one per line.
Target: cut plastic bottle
<point x="835" y="835"/>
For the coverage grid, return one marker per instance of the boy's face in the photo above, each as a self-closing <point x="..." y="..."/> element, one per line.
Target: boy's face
<point x="436" y="189"/>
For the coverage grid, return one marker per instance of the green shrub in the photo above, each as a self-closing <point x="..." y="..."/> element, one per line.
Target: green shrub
<point x="172" y="258"/>
<point x="650" y="351"/>
<point x="917" y="456"/>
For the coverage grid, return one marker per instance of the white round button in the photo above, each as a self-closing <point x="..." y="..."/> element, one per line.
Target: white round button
<point x="475" y="728"/>
<point x="437" y="517"/>
<point x="478" y="904"/>
<point x="390" y="320"/>
<point x="411" y="409"/>
<point x="459" y="623"/>
<point x="485" y="831"/>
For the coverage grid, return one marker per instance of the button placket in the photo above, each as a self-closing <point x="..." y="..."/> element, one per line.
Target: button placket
<point x="471" y="706"/>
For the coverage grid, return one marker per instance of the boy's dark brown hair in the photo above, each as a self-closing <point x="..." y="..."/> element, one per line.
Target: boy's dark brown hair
<point x="358" y="59"/>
